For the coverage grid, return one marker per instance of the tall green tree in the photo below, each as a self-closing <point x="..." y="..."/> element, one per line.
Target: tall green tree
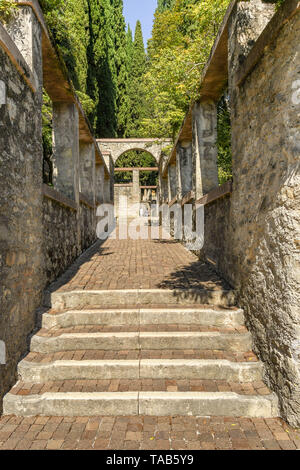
<point x="102" y="74"/>
<point x="121" y="66"/>
<point x="137" y="100"/>
<point x="182" y="37"/>
<point x="163" y="5"/>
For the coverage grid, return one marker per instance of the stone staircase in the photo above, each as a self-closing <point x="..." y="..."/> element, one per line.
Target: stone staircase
<point x="156" y="352"/>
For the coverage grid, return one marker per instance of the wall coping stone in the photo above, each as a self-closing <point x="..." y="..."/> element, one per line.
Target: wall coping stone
<point x="51" y="193"/>
<point x="86" y="201"/>
<point x="188" y="197"/>
<point x="216" y="194"/>
<point x="174" y="200"/>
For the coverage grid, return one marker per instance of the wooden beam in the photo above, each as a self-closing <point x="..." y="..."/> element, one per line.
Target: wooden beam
<point x="216" y="193"/>
<point x="139" y="169"/>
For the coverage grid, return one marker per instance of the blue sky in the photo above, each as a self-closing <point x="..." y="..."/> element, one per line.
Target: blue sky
<point x="142" y="10"/>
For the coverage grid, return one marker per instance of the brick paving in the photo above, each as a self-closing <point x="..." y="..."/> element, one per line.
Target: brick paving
<point x="142" y="264"/>
<point x="56" y="332"/>
<point x="141" y="385"/>
<point x="90" y="355"/>
<point x="144" y="432"/>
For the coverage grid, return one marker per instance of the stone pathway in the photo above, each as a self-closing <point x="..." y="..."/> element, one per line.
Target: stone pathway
<point x="146" y="432"/>
<point x="139" y="264"/>
<point x="162" y="340"/>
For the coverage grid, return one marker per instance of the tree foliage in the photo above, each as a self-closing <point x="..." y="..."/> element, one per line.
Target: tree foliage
<point x="182" y="37"/>
<point x="137" y="158"/>
<point x="7" y="9"/>
<point x="137" y="69"/>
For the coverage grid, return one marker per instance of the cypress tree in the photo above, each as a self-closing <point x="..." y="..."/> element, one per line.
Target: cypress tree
<point x="136" y="91"/>
<point x="101" y="74"/>
<point x="120" y="47"/>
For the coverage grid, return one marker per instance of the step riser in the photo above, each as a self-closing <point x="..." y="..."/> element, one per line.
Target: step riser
<point x="145" y="369"/>
<point x="123" y="298"/>
<point x="62" y="405"/>
<point x="79" y="343"/>
<point x="143" y="403"/>
<point x="234" y="343"/>
<point x="144" y="341"/>
<point x="155" y="404"/>
<point x="157" y="317"/>
<point x="60" y="371"/>
<point x="69" y="319"/>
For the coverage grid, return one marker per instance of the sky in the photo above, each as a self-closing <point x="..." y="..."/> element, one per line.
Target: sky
<point x="142" y="10"/>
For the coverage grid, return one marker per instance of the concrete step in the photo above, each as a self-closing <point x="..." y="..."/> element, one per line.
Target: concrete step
<point x="84" y="341"/>
<point x="143" y="403"/>
<point x="139" y="297"/>
<point x="140" y="369"/>
<point x="194" y="340"/>
<point x="142" y="340"/>
<point x="203" y="316"/>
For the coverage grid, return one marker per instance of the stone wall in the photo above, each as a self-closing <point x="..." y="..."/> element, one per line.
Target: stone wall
<point x="264" y="220"/>
<point x="60" y="244"/>
<point x="252" y="235"/>
<point x="21" y="257"/>
<point x="88" y="225"/>
<point x="42" y="229"/>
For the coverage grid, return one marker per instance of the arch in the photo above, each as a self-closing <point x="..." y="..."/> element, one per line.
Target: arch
<point x="117" y="147"/>
<point x="135" y="149"/>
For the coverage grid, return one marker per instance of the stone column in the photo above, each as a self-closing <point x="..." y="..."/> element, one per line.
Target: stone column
<point x="107" y="192"/>
<point x="99" y="191"/>
<point x="172" y="183"/>
<point x="87" y="170"/>
<point x="204" y="153"/>
<point x="26" y="32"/>
<point x="66" y="150"/>
<point x="136" y="195"/>
<point x="178" y="174"/>
<point x="163" y="190"/>
<point x="245" y="25"/>
<point x="186" y="167"/>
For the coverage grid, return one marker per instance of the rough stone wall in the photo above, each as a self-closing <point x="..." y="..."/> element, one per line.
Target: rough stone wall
<point x="217" y="248"/>
<point x="21" y="266"/>
<point x="59" y="238"/>
<point x="265" y="212"/>
<point x="88" y="227"/>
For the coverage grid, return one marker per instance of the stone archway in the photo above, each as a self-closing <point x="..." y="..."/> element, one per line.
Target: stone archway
<point x="116" y="147"/>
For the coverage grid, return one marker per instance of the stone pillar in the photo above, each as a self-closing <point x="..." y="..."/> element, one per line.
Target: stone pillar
<point x="99" y="191"/>
<point x="26" y="32"/>
<point x="172" y="184"/>
<point x="185" y="165"/>
<point x="66" y="150"/>
<point x="107" y="192"/>
<point x="163" y="190"/>
<point x="87" y="170"/>
<point x="204" y="152"/>
<point x="136" y="194"/>
<point x="246" y="23"/>
<point x="178" y="174"/>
